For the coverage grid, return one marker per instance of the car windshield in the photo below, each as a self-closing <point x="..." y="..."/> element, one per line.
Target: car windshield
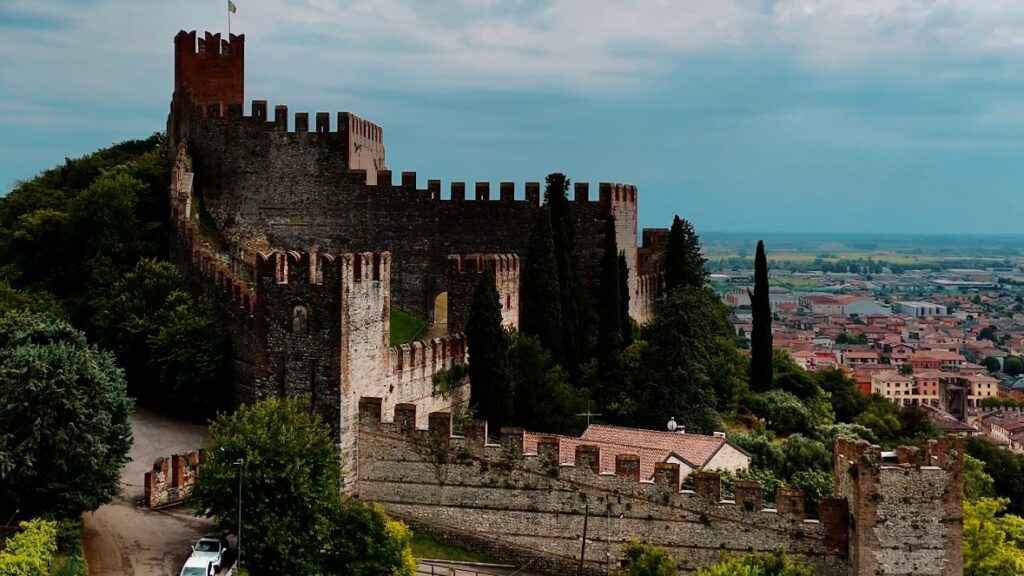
<point x="207" y="546"/>
<point x="193" y="572"/>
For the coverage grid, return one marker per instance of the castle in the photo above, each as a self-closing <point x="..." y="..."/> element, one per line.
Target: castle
<point x="303" y="241"/>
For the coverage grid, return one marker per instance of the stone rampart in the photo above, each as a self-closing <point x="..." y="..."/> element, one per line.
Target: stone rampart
<point x="517" y="506"/>
<point x="171" y="479"/>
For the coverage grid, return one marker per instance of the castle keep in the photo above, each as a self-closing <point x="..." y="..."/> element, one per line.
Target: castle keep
<point x="301" y="236"/>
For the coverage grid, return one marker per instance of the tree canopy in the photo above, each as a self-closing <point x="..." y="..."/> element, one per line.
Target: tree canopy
<point x="684" y="261"/>
<point x="761" y="334"/>
<point x="64" y="418"/>
<point x="490" y="392"/>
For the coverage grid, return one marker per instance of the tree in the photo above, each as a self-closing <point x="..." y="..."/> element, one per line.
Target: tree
<point x="800" y="453"/>
<point x="684" y="262"/>
<point x="847" y="401"/>
<point x="1005" y="468"/>
<point x="991" y="540"/>
<point x="294" y="520"/>
<point x="541" y="300"/>
<point x="765" y="454"/>
<point x="758" y="564"/>
<point x="488" y="347"/>
<point x="544" y="399"/>
<point x="782" y="411"/>
<point x="64" y="419"/>
<point x="1013" y="365"/>
<point x="30" y="551"/>
<point x="992" y="364"/>
<point x="647" y="560"/>
<point x="816" y="484"/>
<point x="609" y="328"/>
<point x="906" y="369"/>
<point x="574" y="300"/>
<point x="977" y="483"/>
<point x="761" y="333"/>
<point x="627" y="322"/>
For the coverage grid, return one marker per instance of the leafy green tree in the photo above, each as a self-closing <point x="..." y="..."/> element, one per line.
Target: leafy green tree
<point x="544" y="399"/>
<point x="684" y="262"/>
<point x="488" y="346"/>
<point x="363" y="541"/>
<point x="574" y="299"/>
<point x="816" y="484"/>
<point x="761" y="334"/>
<point x="758" y="564"/>
<point x="782" y="411"/>
<point x="39" y="302"/>
<point x="627" y="322"/>
<point x="800" y="453"/>
<point x="906" y="369"/>
<point x="647" y="560"/>
<point x="847" y="401"/>
<point x="829" y="434"/>
<point x="1005" y="468"/>
<point x="765" y="454"/>
<point x="977" y="483"/>
<point x="1013" y="365"/>
<point x="883" y="419"/>
<point x="30" y="551"/>
<point x="64" y="418"/>
<point x="992" y="364"/>
<point x="991" y="540"/>
<point x="541" y="300"/>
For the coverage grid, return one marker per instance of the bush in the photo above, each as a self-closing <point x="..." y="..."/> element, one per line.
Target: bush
<point x="647" y="560"/>
<point x="29" y="552"/>
<point x="758" y="564"/>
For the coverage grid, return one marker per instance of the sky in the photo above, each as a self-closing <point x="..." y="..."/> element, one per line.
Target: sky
<point x="875" y="116"/>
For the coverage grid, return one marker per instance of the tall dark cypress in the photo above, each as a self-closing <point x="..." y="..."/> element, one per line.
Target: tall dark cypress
<point x="609" y="329"/>
<point x="684" y="262"/>
<point x="761" y="333"/>
<point x="541" y="312"/>
<point x="575" y="309"/>
<point x="626" y="323"/>
<point x="490" y="392"/>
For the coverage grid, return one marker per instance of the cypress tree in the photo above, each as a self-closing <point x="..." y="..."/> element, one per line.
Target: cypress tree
<point x="609" y="329"/>
<point x="626" y="323"/>
<point x="761" y="333"/>
<point x="575" y="309"/>
<point x="488" y="348"/>
<point x="541" y="298"/>
<point x="684" y="263"/>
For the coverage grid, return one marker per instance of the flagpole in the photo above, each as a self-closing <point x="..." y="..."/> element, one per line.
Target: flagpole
<point x="229" y="21"/>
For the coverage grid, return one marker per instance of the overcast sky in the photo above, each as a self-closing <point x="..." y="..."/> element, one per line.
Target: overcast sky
<point x="785" y="115"/>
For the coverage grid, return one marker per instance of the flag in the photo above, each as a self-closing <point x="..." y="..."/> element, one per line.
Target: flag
<point x="231" y="7"/>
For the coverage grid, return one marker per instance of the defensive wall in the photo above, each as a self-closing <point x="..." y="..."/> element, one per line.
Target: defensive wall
<point x="464" y="273"/>
<point x="521" y="507"/>
<point x="171" y="479"/>
<point x="328" y="189"/>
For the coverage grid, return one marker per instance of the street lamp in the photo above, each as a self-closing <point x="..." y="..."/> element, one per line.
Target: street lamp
<point x="238" y="544"/>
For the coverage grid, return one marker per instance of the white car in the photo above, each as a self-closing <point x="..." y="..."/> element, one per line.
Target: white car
<point x="206" y="558"/>
<point x="197" y="567"/>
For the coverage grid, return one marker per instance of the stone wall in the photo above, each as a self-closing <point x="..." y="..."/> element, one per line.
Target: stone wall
<point x="908" y="513"/>
<point x="517" y="506"/>
<point x="463" y="275"/>
<point x="171" y="479"/>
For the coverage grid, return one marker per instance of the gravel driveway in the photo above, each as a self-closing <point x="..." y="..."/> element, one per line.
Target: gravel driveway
<point x="123" y="539"/>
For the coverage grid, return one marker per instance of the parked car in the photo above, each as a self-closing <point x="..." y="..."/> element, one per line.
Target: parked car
<point x="207" y="556"/>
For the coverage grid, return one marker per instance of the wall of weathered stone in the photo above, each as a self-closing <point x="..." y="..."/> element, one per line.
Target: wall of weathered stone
<point x="171" y="479"/>
<point x="515" y="506"/>
<point x="463" y="275"/>
<point x="908" y="513"/>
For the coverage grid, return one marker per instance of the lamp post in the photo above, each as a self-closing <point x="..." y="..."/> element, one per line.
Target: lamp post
<point x="238" y="544"/>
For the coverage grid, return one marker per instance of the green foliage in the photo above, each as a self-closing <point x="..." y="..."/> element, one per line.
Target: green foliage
<point x="847" y="401"/>
<point x="800" y="453"/>
<point x="684" y="261"/>
<point x="30" y="551"/>
<point x="424" y="546"/>
<point x="363" y="541"/>
<point x="292" y="517"/>
<point x="846" y="338"/>
<point x="977" y="483"/>
<point x="829" y="434"/>
<point x="992" y="540"/>
<point x="64" y="418"/>
<point x="1013" y="365"/>
<point x="490" y="392"/>
<point x="782" y="412"/>
<point x="447" y="380"/>
<point x="816" y="484"/>
<point x="404" y="327"/>
<point x="994" y="402"/>
<point x="541" y="312"/>
<point x="30" y="301"/>
<point x="1005" y="468"/>
<point x="892" y="425"/>
<point x="758" y="564"/>
<point x="992" y="364"/>
<point x="906" y="369"/>
<point x="647" y="560"/>
<point x="574" y="301"/>
<point x="761" y="377"/>
<point x="765" y="454"/>
<point x="609" y="327"/>
<point x="174" y="351"/>
<point x="768" y="480"/>
<point x="544" y="398"/>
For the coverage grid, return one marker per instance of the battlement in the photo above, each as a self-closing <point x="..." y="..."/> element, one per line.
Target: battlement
<point x="210" y="71"/>
<point x="649" y="284"/>
<point x="315" y="268"/>
<point x="503" y="265"/>
<point x="171" y="479"/>
<point x="424" y="358"/>
<point x="462" y="275"/>
<point x="211" y="45"/>
<point x="944" y="454"/>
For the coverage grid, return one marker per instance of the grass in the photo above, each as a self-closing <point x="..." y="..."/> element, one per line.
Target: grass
<point x="60" y="565"/>
<point x="424" y="546"/>
<point x="405" y="327"/>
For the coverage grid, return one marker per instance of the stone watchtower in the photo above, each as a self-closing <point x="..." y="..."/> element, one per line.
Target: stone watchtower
<point x="906" y="511"/>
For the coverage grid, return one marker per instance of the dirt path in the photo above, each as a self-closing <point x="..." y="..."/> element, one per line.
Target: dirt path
<point x="122" y="539"/>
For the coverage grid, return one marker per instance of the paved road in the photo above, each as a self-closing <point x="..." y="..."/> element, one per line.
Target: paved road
<point x="122" y="539"/>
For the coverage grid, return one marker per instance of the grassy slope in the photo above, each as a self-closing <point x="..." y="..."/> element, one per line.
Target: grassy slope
<point x="424" y="546"/>
<point x="404" y="327"/>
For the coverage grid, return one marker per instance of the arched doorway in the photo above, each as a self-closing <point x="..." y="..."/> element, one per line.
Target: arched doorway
<point x="439" y="316"/>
